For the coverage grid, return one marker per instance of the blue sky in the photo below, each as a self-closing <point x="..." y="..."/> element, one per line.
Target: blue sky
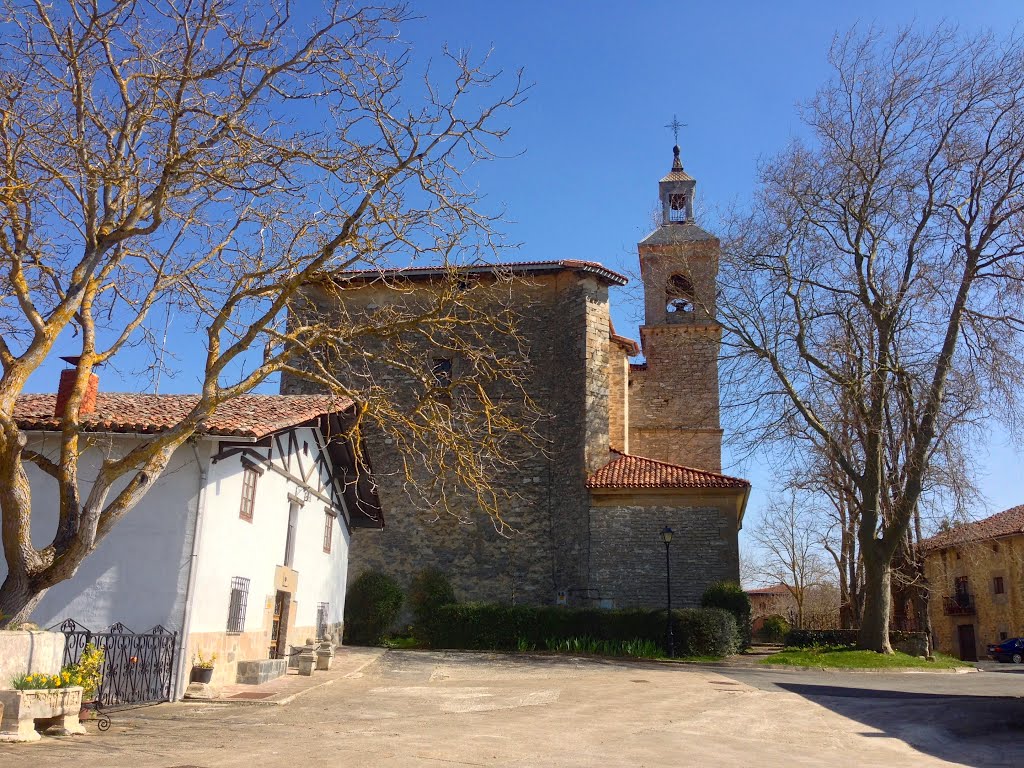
<point x="588" y="145"/>
<point x="608" y="76"/>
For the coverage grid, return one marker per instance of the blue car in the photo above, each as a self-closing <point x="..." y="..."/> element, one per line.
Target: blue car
<point x="1011" y="650"/>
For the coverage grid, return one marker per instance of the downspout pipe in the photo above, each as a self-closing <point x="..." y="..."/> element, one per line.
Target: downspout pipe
<point x="190" y="589"/>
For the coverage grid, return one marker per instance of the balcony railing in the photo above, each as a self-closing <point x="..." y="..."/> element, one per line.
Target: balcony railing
<point x="958" y="605"/>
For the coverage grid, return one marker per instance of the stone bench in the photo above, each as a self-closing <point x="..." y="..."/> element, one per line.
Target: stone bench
<point x="260" y="671"/>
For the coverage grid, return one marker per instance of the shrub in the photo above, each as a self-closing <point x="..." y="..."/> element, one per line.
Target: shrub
<point x="488" y="626"/>
<point x="845" y="638"/>
<point x="816" y="638"/>
<point x="729" y="596"/>
<point x="429" y="590"/>
<point x="775" y="628"/>
<point x="371" y="606"/>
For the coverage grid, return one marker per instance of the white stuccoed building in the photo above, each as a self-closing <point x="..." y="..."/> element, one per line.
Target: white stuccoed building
<point x="242" y="545"/>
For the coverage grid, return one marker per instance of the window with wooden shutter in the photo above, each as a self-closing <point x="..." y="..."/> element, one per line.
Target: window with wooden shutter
<point x="249" y="476"/>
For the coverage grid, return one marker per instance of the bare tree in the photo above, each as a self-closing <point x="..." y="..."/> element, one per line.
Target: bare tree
<point x="872" y="296"/>
<point x="788" y="534"/>
<point x="222" y="155"/>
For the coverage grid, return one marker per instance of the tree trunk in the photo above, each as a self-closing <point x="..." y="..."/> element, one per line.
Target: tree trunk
<point x="17" y="601"/>
<point x="877" y="589"/>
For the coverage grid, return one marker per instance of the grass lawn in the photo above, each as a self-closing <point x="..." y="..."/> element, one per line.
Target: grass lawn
<point x="845" y="658"/>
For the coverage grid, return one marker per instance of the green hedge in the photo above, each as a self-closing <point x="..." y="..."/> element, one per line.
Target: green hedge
<point x="488" y="626"/>
<point x="430" y="589"/>
<point x="372" y="605"/>
<point x="729" y="596"/>
<point x="775" y="628"/>
<point x="836" y="638"/>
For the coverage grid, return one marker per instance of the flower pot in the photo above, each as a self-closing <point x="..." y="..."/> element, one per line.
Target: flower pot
<point x="201" y="675"/>
<point x="22" y="711"/>
<point x="88" y="710"/>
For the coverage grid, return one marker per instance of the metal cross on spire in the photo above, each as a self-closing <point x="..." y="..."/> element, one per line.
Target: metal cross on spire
<point x="675" y="125"/>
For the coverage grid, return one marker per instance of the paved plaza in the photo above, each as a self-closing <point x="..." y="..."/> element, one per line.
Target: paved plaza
<point x="411" y="708"/>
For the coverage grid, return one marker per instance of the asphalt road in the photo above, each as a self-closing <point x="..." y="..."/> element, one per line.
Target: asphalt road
<point x="970" y="719"/>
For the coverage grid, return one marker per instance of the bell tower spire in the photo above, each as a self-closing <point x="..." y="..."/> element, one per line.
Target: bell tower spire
<point x="674" y="407"/>
<point x="676" y="192"/>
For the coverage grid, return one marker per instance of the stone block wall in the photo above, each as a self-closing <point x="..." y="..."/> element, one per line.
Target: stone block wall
<point x="697" y="261"/>
<point x="995" y="614"/>
<point x="596" y="362"/>
<point x="628" y="556"/>
<point x="563" y="325"/>
<point x="618" y="399"/>
<point x="673" y="402"/>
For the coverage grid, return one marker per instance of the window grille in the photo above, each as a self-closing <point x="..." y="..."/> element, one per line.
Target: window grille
<point x="236" y="608"/>
<point x="677" y="207"/>
<point x="249" y="476"/>
<point x="328" y="531"/>
<point x="322" y="609"/>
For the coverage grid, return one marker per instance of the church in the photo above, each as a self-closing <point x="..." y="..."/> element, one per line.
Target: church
<point x="633" y="447"/>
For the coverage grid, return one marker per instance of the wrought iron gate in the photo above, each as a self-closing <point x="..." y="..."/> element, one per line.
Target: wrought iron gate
<point x="137" y="668"/>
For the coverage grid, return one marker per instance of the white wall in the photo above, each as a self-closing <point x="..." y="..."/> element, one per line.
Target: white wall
<point x="230" y="546"/>
<point x="138" y="573"/>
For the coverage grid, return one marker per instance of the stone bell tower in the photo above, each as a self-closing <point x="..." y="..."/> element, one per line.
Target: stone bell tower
<point x="673" y="396"/>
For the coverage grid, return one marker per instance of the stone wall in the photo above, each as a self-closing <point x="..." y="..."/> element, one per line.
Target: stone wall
<point x="596" y="362"/>
<point x="673" y="402"/>
<point x="697" y="261"/>
<point x="618" y="398"/>
<point x="628" y="556"/>
<point x="24" y="652"/>
<point x="995" y="614"/>
<point x="563" y="324"/>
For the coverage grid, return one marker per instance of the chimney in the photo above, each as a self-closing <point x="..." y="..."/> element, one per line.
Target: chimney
<point x="67" y="384"/>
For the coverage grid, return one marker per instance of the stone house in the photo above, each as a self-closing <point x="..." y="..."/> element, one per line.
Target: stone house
<point x="241" y="546"/>
<point x="773" y="600"/>
<point x="632" y="447"/>
<point x="975" y="575"/>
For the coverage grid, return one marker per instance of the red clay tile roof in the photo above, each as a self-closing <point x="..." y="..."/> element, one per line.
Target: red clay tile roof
<point x="777" y="589"/>
<point x="1005" y="523"/>
<point x="626" y="471"/>
<point x="512" y="266"/>
<point x="245" y="416"/>
<point x="631" y="347"/>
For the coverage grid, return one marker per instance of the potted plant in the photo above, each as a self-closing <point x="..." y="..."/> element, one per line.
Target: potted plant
<point x="202" y="667"/>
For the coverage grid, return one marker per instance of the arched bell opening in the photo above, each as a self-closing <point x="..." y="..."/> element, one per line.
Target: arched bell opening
<point x="679" y="299"/>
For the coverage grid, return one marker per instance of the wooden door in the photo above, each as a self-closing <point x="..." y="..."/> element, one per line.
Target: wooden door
<point x="279" y="629"/>
<point x="968" y="646"/>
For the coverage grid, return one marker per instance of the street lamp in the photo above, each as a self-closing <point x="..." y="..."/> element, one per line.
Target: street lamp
<point x="666" y="536"/>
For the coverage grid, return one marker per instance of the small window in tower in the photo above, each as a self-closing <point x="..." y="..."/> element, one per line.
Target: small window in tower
<point x="997" y="585"/>
<point x="679" y="294"/>
<point x="442" y="369"/>
<point x="677" y="207"/>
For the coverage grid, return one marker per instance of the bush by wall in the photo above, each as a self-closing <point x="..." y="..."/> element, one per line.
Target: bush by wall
<point x="913" y="643"/>
<point x="775" y="628"/>
<point x="488" y="626"/>
<point x="371" y="606"/>
<point x="729" y="596"/>
<point x="430" y="589"/>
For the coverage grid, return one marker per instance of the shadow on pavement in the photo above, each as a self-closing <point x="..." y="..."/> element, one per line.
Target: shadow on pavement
<point x="975" y="730"/>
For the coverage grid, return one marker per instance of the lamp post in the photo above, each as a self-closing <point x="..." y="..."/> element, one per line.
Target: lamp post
<point x="666" y="536"/>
